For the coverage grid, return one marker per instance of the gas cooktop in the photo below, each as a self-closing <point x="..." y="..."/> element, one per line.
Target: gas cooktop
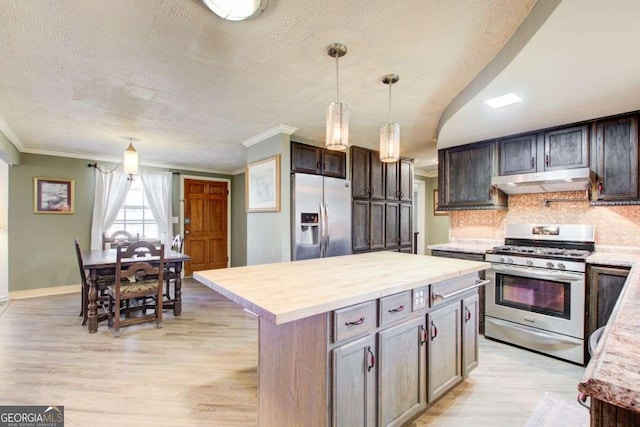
<point x="540" y="251"/>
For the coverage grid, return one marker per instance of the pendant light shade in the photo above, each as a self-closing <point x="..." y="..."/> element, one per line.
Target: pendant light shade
<point x="130" y="160"/>
<point x="390" y="132"/>
<point x="337" y="136"/>
<point x="236" y="10"/>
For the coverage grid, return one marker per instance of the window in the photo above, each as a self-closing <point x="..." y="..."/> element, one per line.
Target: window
<point x="135" y="215"/>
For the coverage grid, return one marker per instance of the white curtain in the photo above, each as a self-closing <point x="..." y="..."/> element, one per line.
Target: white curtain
<point x="110" y="193"/>
<point x="157" y="189"/>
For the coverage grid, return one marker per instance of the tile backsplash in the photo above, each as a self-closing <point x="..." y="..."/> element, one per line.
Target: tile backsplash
<point x="615" y="225"/>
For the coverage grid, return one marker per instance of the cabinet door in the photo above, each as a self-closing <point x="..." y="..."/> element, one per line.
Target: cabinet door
<point x="334" y="163"/>
<point x="359" y="172"/>
<point x="605" y="285"/>
<point x="444" y="358"/>
<point x="377" y="177"/>
<point x="518" y="154"/>
<point x="405" y="226"/>
<point x="401" y="372"/>
<point x="376" y="233"/>
<point x="392" y="225"/>
<point x="306" y="158"/>
<point x="617" y="158"/>
<point x="566" y="148"/>
<point x="360" y="228"/>
<point x="470" y="325"/>
<point x="353" y="384"/>
<point x="405" y="167"/>
<point x="466" y="176"/>
<point x="391" y="181"/>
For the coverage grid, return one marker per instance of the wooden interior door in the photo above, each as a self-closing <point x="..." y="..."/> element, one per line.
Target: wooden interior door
<point x="205" y="225"/>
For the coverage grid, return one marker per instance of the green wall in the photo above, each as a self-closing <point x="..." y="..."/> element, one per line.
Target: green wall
<point x="41" y="252"/>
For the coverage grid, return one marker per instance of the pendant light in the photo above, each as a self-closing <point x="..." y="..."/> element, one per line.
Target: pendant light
<point x="130" y="160"/>
<point x="236" y="10"/>
<point x="390" y="132"/>
<point x="337" y="137"/>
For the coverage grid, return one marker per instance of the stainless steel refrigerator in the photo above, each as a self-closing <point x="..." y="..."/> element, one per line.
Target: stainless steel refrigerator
<point x="321" y="210"/>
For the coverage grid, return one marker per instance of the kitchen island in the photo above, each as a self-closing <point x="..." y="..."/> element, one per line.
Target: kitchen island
<point x="344" y="340"/>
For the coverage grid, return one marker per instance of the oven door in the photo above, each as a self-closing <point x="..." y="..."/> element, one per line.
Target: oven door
<point x="552" y="300"/>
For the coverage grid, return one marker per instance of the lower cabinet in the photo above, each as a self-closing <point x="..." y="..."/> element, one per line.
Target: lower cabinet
<point x="444" y="349"/>
<point x="401" y="372"/>
<point x="605" y="286"/>
<point x="470" y="325"/>
<point x="353" y="384"/>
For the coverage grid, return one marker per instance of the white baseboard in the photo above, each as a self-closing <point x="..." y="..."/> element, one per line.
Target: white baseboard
<point x="43" y="292"/>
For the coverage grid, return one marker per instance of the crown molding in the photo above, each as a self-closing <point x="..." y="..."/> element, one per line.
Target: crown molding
<point x="426" y="174"/>
<point x="11" y="136"/>
<point x="276" y="130"/>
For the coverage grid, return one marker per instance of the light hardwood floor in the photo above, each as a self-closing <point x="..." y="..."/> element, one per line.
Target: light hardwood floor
<point x="200" y="369"/>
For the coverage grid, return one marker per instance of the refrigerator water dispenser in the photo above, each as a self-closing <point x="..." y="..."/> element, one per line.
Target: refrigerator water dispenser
<point x="308" y="228"/>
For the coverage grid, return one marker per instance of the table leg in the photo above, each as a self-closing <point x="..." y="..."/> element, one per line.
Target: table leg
<point x="93" y="307"/>
<point x="177" y="305"/>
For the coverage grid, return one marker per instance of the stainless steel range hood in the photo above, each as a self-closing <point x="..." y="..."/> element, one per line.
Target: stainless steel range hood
<point x="544" y="182"/>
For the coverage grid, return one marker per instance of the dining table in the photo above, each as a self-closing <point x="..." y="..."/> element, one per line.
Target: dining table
<point x="102" y="262"/>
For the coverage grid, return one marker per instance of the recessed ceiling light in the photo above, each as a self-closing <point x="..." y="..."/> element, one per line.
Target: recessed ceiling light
<point x="501" y="101"/>
<point x="236" y="10"/>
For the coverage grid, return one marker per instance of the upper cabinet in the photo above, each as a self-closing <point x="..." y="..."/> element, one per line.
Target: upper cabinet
<point x="464" y="178"/>
<point x="367" y="174"/>
<point x="318" y="161"/>
<point x="566" y="148"/>
<point x="616" y="159"/>
<point x="399" y="182"/>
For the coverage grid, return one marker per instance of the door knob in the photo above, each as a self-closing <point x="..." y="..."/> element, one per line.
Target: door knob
<point x="187" y="232"/>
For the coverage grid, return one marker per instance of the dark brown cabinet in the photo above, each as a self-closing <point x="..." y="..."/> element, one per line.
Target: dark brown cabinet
<point x="399" y="180"/>
<point x="616" y="159"/>
<point x="392" y="225"/>
<point x="557" y="149"/>
<point x="367" y="174"/>
<point x="605" y="285"/>
<point x="368" y="225"/>
<point x="405" y="226"/>
<point x="318" y="161"/>
<point x="464" y="178"/>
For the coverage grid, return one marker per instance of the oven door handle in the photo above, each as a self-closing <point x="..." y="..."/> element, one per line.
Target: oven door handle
<point x="552" y="275"/>
<point x="541" y="336"/>
<point x="435" y="296"/>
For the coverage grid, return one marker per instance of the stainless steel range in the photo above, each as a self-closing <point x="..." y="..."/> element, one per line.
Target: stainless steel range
<point x="536" y="295"/>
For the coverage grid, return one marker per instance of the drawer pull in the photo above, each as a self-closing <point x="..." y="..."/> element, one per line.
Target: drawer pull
<point x="360" y="321"/>
<point x="467" y="315"/>
<point x="372" y="360"/>
<point x="396" y="310"/>
<point x="435" y="296"/>
<point x="582" y="400"/>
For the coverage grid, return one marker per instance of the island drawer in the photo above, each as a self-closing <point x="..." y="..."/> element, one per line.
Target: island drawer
<point x="355" y="320"/>
<point x="448" y="290"/>
<point x="394" y="307"/>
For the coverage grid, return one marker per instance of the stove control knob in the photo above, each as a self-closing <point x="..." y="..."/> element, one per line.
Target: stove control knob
<point x="530" y="263"/>
<point x="501" y="259"/>
<point x="550" y="265"/>
<point x="561" y="266"/>
<point x="510" y="260"/>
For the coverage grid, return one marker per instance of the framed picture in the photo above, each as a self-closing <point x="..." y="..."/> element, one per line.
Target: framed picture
<point x="53" y="195"/>
<point x="435" y="204"/>
<point x="262" y="185"/>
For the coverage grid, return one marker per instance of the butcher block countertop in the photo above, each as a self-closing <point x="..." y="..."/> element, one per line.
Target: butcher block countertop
<point x="288" y="291"/>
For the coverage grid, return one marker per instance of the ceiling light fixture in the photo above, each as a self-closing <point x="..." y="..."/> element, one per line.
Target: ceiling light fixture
<point x="337" y="137"/>
<point x="390" y="132"/>
<point x="236" y="10"/>
<point x="129" y="162"/>
<point x="504" y="100"/>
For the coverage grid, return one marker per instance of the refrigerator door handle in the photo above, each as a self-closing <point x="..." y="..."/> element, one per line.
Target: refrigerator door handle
<point x="326" y="231"/>
<point x="322" y="231"/>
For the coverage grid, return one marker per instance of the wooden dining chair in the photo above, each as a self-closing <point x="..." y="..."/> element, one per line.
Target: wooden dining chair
<point x="139" y="278"/>
<point x="102" y="282"/>
<point x="170" y="274"/>
<point x="117" y="238"/>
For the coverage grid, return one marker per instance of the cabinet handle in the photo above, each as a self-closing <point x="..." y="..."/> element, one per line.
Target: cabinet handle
<point x="546" y="159"/>
<point x="490" y="193"/>
<point x="372" y="359"/>
<point x="467" y="315"/>
<point x="600" y="187"/>
<point x="397" y="309"/>
<point x="434" y="331"/>
<point x="360" y="321"/>
<point x="423" y="335"/>
<point x="370" y="191"/>
<point x="582" y="400"/>
<point x="318" y="165"/>
<point x="533" y="162"/>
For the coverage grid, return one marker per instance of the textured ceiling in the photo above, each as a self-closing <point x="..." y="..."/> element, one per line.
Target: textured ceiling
<point x="80" y="77"/>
